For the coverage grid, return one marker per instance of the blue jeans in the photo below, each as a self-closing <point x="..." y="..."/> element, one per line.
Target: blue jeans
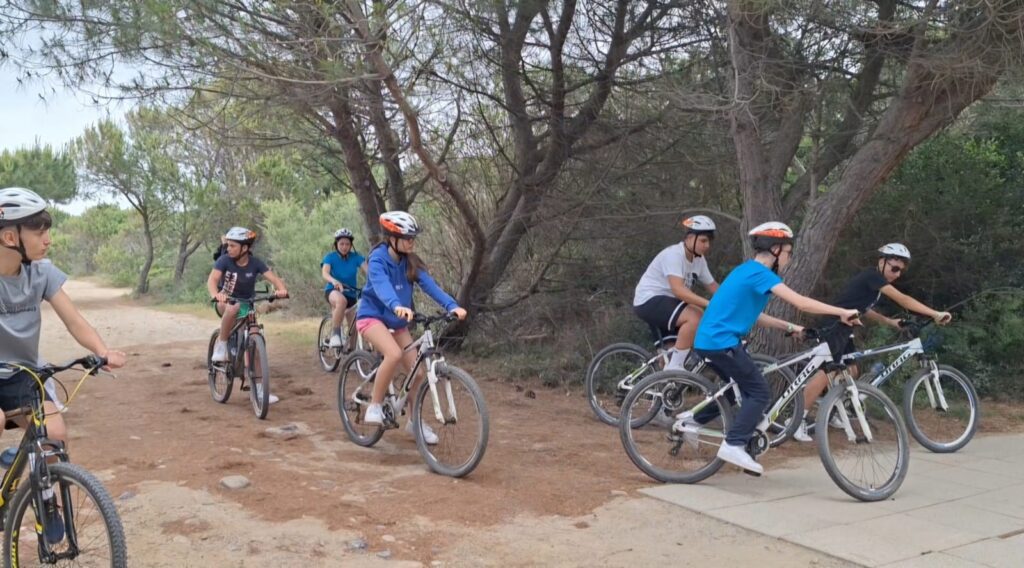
<point x="734" y="363"/>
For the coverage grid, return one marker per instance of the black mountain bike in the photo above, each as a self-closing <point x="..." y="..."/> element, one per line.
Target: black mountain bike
<point x="59" y="514"/>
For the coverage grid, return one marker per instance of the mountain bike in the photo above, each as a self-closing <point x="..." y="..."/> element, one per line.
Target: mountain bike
<point x="940" y="404"/>
<point x="247" y="359"/>
<point x="614" y="371"/>
<point x="66" y="509"/>
<point x="330" y="357"/>
<point x="449" y="400"/>
<point x="868" y="457"/>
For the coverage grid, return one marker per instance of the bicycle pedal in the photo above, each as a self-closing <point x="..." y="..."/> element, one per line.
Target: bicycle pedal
<point x="750" y="473"/>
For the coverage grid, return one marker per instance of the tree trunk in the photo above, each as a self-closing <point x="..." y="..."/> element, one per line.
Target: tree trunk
<point x="921" y="109"/>
<point x="184" y="253"/>
<point x="364" y="185"/>
<point x="147" y="230"/>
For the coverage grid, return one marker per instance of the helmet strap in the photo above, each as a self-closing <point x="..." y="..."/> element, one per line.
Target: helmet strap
<point x="20" y="248"/>
<point x="692" y="251"/>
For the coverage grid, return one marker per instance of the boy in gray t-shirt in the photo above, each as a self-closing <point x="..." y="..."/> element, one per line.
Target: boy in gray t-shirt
<point x="26" y="279"/>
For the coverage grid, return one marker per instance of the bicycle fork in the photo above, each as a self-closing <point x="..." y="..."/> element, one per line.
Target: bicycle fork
<point x="432" y="380"/>
<point x="858" y="409"/>
<point x="932" y="386"/>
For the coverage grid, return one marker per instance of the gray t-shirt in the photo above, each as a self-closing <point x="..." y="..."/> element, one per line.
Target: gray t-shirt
<point x="20" y="316"/>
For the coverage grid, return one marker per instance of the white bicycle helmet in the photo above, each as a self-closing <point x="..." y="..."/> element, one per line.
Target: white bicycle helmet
<point x="399" y="224"/>
<point x="17" y="203"/>
<point x="699" y="224"/>
<point x="240" y="235"/>
<point x="343" y="233"/>
<point x="894" y="250"/>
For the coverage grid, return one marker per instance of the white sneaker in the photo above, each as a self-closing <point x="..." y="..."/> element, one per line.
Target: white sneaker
<point x="220" y="351"/>
<point x="738" y="456"/>
<point x="335" y="340"/>
<point x="836" y="421"/>
<point x="801" y="435"/>
<point x="271" y="398"/>
<point x="429" y="436"/>
<point x="688" y="427"/>
<point x="374" y="414"/>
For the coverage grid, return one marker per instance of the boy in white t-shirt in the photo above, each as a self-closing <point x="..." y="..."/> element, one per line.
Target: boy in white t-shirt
<point x="664" y="298"/>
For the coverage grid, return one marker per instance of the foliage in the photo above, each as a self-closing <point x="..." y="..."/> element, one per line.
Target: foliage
<point x="50" y="174"/>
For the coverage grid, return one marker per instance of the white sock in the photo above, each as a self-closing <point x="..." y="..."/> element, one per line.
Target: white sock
<point x="678" y="358"/>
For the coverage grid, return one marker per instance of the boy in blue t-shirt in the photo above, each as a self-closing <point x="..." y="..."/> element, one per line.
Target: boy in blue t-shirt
<point x="733" y="311"/>
<point x="340" y="268"/>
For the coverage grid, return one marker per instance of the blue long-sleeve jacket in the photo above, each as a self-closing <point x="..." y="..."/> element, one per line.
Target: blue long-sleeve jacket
<point x="387" y="288"/>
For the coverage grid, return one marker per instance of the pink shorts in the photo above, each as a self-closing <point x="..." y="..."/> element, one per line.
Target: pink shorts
<point x="363" y="323"/>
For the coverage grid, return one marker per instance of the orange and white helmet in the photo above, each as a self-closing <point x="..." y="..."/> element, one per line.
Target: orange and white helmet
<point x="241" y="235"/>
<point x="766" y="235"/>
<point x="399" y="224"/>
<point x="700" y="225"/>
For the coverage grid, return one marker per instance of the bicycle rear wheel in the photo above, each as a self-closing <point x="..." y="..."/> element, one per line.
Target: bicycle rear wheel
<point x="218" y="375"/>
<point x="328" y="356"/>
<point x="610" y="375"/>
<point x="660" y="451"/>
<point x="867" y="459"/>
<point x="93" y="535"/>
<point x="258" y="371"/>
<point x="463" y="427"/>
<point x="942" y="413"/>
<point x="354" y="392"/>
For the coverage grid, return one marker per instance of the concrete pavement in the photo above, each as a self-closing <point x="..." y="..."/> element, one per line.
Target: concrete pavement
<point x="953" y="510"/>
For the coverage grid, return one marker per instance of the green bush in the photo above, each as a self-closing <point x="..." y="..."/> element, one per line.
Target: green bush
<point x="986" y="343"/>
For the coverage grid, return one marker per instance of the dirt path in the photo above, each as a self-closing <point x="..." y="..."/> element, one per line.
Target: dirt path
<point x="555" y="488"/>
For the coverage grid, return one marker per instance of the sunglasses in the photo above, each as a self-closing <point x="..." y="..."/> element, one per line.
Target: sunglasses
<point x="895" y="269"/>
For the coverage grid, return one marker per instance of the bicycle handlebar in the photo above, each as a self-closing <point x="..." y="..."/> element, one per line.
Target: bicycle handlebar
<point x="428" y="320"/>
<point x="91" y="362"/>
<point x="270" y="298"/>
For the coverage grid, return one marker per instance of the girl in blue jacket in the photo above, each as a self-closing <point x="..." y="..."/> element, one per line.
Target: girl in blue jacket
<point x="392" y="269"/>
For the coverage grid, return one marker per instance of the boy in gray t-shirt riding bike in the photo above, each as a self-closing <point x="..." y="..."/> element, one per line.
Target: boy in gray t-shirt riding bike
<point x="26" y="279"/>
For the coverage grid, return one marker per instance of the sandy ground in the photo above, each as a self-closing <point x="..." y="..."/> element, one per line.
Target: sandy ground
<point x="555" y="488"/>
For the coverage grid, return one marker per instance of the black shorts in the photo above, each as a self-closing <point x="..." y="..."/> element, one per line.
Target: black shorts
<point x="661" y="313"/>
<point x="349" y="300"/>
<point x="19" y="391"/>
<point x="840" y="341"/>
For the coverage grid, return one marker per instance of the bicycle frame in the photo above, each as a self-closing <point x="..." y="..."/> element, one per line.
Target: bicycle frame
<point x="816" y="358"/>
<point x="428" y="353"/>
<point x="912" y="348"/>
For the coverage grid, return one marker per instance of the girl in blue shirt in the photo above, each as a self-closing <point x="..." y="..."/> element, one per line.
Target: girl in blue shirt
<point x="340" y="267"/>
<point x="392" y="269"/>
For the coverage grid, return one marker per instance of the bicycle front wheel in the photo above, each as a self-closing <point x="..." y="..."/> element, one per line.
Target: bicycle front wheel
<point x="610" y="375"/>
<point x="328" y="356"/>
<point x="258" y="369"/>
<point x="355" y="388"/>
<point x="217" y="375"/>
<point x="942" y="411"/>
<point x="869" y="456"/>
<point x="662" y="452"/>
<point x="456" y="412"/>
<point x="92" y="531"/>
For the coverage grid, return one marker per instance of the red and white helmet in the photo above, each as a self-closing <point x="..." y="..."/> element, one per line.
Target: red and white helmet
<point x="894" y="250"/>
<point x="766" y="235"/>
<point x="699" y="224"/>
<point x="399" y="224"/>
<point x="17" y="203"/>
